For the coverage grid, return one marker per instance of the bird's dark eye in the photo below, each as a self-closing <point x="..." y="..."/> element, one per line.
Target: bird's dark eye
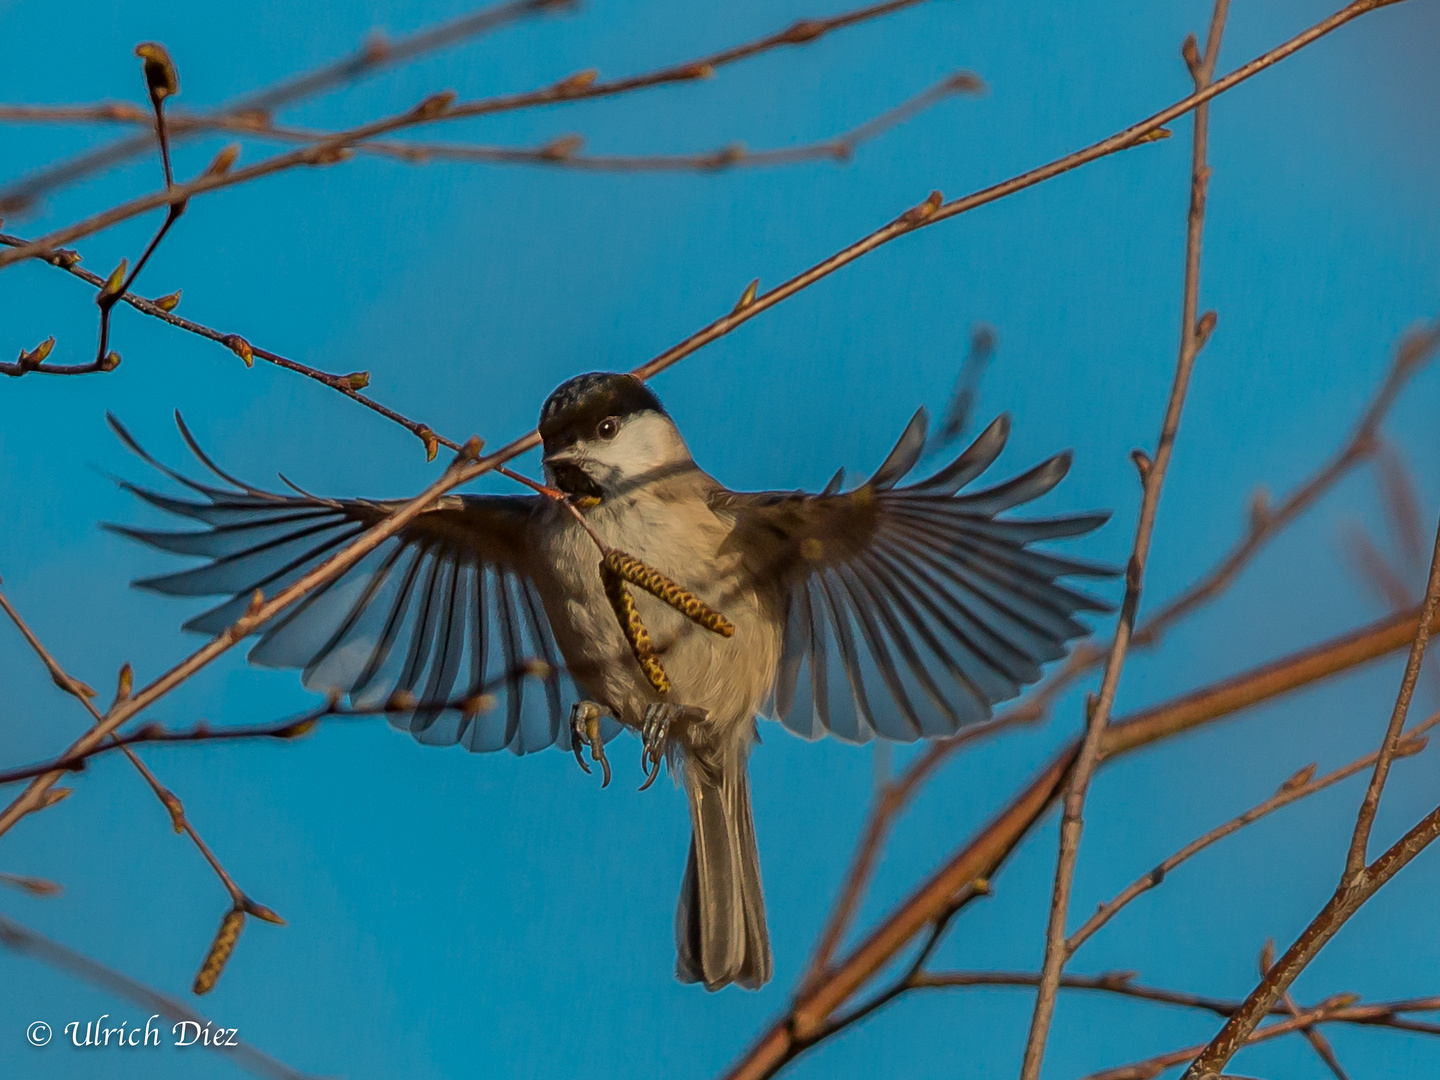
<point x="609" y="428"/>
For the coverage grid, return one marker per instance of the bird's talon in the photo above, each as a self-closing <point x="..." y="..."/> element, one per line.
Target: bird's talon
<point x="655" y="734"/>
<point x="651" y="774"/>
<point x="585" y="731"/>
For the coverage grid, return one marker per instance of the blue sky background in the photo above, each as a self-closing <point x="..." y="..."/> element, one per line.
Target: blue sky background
<point x="452" y="915"/>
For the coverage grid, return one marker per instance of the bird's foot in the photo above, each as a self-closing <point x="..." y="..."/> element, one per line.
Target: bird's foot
<point x="655" y="733"/>
<point x="585" y="731"/>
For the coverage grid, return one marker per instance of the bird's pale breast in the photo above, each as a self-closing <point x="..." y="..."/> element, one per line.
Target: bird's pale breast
<point x="677" y="534"/>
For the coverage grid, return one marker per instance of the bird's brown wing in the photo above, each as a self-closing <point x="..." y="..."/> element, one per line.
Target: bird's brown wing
<point x="442" y="621"/>
<point x="910" y="611"/>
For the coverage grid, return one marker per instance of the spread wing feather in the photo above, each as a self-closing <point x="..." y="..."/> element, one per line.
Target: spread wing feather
<point x="910" y="611"/>
<point x="443" y="616"/>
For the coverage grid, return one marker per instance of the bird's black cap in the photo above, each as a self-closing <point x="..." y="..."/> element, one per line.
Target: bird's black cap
<point x="578" y="405"/>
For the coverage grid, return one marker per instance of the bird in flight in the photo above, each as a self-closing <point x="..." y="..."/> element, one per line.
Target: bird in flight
<point x="895" y="610"/>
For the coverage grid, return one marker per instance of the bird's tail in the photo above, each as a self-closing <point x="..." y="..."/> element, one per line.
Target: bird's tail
<point x="720" y="934"/>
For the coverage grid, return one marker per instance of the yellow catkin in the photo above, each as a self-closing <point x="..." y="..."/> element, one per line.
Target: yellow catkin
<point x="658" y="585"/>
<point x="628" y="615"/>
<point x="220" y="950"/>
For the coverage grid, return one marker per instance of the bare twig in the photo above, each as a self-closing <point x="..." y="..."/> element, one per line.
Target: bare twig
<point x="285" y="730"/>
<point x="350" y="385"/>
<point x="1392" y="589"/>
<point x="565" y="152"/>
<point x="162" y="83"/>
<point x="33" y="885"/>
<point x="1300" y="786"/>
<point x="1194" y="331"/>
<point x="1357" y="885"/>
<point x="1313" y="1035"/>
<point x="34" y="360"/>
<point x="1337" y="1011"/>
<point x="26" y="942"/>
<point x="1365" y="820"/>
<point x="83" y="694"/>
<point x="374" y="55"/>
<point x="1122" y="984"/>
<point x="1412" y="352"/>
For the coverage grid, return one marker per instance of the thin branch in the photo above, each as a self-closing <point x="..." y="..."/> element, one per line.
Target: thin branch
<point x="33" y="360"/>
<point x="1375" y="570"/>
<point x="285" y="730"/>
<point x="580" y="87"/>
<point x="1317" y="1040"/>
<point x="349" y="385"/>
<point x="910" y="978"/>
<point x="1321" y="1014"/>
<point x="376" y="54"/>
<point x="25" y="942"/>
<point x="33" y="885"/>
<point x="982" y="855"/>
<point x="1412" y="352"/>
<point x="1297" y="787"/>
<point x="1370" y="804"/>
<point x="162" y="82"/>
<point x="1194" y="332"/>
<point x="1120" y="983"/>
<point x="1356" y="885"/>
<point x="176" y="809"/>
<point x="564" y="152"/>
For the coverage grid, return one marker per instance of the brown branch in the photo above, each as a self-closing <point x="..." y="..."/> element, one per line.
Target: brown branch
<point x="34" y="359"/>
<point x="1375" y="570"/>
<point x="1194" y="332"/>
<point x="440" y="106"/>
<point x="1370" y="804"/>
<point x="26" y="942"/>
<point x="1357" y="884"/>
<point x="1120" y="983"/>
<point x="285" y="730"/>
<point x="1412" y="352"/>
<point x="564" y="152"/>
<point x="349" y="385"/>
<point x="33" y="885"/>
<point x="981" y="856"/>
<point x="162" y="82"/>
<point x="1297" y="787"/>
<point x="374" y="55"/>
<point x="1322" y="1014"/>
<point x="176" y="809"/>
<point x="1313" y="1035"/>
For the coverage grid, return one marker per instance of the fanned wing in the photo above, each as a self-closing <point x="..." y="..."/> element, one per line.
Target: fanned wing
<point x="910" y="611"/>
<point x="441" y="626"/>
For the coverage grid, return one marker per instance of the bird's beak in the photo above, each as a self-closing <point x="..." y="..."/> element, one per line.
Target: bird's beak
<point x="560" y="457"/>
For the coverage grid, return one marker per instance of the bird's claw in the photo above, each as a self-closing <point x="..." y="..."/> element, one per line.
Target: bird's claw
<point x="585" y="731"/>
<point x="653" y="735"/>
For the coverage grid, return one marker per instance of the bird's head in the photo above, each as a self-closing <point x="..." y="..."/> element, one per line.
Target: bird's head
<point x="605" y="432"/>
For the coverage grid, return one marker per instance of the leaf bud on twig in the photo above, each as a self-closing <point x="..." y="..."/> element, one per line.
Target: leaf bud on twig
<point x="161" y="78"/>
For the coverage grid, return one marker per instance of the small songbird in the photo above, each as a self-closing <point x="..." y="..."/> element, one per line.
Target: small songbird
<point x="903" y="612"/>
